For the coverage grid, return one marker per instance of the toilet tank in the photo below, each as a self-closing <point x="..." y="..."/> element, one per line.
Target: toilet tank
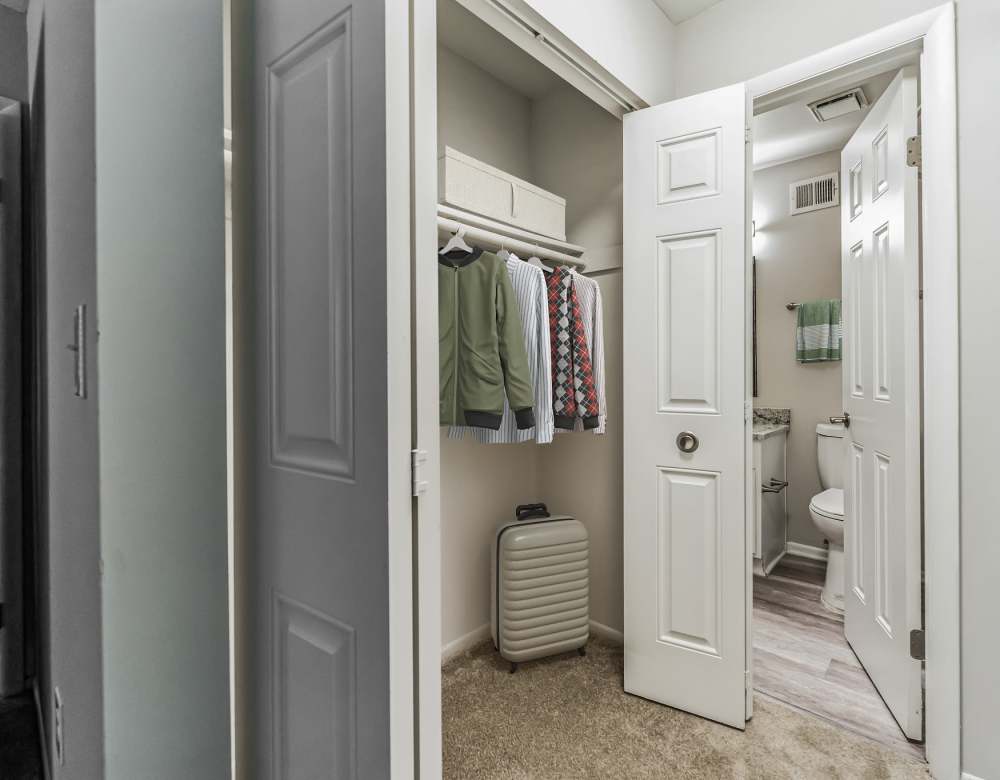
<point x="830" y="455"/>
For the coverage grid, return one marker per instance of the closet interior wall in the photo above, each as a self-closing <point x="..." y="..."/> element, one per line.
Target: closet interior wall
<point x="544" y="131"/>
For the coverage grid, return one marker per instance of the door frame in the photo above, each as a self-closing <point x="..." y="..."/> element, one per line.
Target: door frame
<point x="929" y="36"/>
<point x="940" y="401"/>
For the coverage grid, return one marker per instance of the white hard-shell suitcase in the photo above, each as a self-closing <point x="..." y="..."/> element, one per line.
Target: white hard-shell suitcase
<point x="540" y="592"/>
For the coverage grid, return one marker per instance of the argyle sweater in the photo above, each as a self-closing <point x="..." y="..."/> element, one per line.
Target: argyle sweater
<point x="573" y="391"/>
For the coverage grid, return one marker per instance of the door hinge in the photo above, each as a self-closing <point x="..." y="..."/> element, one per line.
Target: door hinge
<point x="918" y="641"/>
<point x="747" y="411"/>
<point x="913" y="151"/>
<point x="746" y="135"/>
<point x="418" y="485"/>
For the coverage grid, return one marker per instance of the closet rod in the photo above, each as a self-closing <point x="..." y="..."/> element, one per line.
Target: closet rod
<point x="525" y="246"/>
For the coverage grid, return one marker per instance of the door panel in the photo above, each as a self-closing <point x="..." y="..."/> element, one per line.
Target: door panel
<point x="13" y="593"/>
<point x="882" y="395"/>
<point x="685" y="281"/>
<point x="318" y="522"/>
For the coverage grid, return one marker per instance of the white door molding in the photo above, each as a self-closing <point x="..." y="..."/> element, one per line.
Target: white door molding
<point x="426" y="425"/>
<point x="933" y="31"/>
<point x="402" y="685"/>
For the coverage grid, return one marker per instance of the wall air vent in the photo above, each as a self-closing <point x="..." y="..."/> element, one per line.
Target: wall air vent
<point x="840" y="104"/>
<point x="819" y="192"/>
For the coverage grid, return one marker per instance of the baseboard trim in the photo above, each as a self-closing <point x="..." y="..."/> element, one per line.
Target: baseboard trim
<point x="46" y="771"/>
<point x="466" y="642"/>
<point x="606" y="632"/>
<point x="806" y="551"/>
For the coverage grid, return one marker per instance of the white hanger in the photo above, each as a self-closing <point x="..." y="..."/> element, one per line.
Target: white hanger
<point x="533" y="260"/>
<point x="457" y="241"/>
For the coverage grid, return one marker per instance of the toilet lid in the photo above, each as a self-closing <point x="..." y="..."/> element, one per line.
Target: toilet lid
<point x="829" y="502"/>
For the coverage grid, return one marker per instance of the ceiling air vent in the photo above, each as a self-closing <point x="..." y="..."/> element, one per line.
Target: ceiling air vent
<point x="819" y="192"/>
<point x="842" y="103"/>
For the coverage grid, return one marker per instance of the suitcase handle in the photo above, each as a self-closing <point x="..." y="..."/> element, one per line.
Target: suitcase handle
<point x="528" y="511"/>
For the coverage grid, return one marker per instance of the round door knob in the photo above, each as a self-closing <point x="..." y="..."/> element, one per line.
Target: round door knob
<point x="687" y="441"/>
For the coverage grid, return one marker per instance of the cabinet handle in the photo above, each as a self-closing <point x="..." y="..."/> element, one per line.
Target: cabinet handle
<point x="79" y="348"/>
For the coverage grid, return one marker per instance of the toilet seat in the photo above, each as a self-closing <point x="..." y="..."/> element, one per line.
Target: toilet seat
<point x="829" y="503"/>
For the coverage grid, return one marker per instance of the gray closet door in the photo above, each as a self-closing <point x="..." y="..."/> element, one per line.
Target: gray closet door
<point x="318" y="519"/>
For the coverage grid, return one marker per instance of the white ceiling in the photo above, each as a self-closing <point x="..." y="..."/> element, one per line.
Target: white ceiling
<point x="470" y="37"/>
<point x="791" y="132"/>
<point x="17" y="5"/>
<point x="681" y="10"/>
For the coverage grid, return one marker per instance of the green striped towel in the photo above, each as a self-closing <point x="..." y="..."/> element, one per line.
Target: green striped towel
<point x="818" y="333"/>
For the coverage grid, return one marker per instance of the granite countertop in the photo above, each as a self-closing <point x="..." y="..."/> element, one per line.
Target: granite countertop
<point x="761" y="430"/>
<point x="768" y="421"/>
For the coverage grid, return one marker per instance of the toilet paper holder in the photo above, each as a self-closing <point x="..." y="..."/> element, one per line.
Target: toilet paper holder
<point x="774" y="486"/>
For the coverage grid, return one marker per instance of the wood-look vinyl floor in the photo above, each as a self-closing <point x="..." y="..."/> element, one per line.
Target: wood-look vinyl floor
<point x="800" y="655"/>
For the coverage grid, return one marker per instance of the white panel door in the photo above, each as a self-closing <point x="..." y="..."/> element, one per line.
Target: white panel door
<point x="318" y="527"/>
<point x="685" y="296"/>
<point x="881" y="270"/>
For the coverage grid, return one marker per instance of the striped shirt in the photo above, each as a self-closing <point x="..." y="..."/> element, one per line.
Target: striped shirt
<point x="532" y="301"/>
<point x="588" y="291"/>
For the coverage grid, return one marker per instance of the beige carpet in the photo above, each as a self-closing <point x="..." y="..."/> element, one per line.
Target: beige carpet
<point x="567" y="717"/>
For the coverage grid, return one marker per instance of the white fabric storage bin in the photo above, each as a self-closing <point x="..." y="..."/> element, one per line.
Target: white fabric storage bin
<point x="469" y="184"/>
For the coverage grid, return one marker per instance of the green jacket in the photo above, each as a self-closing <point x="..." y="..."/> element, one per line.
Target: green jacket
<point x="481" y="344"/>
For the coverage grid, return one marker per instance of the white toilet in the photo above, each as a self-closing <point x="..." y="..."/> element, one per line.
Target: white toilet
<point x="827" y="509"/>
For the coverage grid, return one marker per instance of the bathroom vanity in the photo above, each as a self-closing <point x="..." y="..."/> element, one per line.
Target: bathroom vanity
<point x="769" y="478"/>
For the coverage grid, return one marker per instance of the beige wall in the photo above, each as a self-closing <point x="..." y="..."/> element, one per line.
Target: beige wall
<point x="577" y="153"/>
<point x="582" y="473"/>
<point x="798" y="259"/>
<point x="480" y="484"/>
<point x="543" y="141"/>
<point x="480" y="116"/>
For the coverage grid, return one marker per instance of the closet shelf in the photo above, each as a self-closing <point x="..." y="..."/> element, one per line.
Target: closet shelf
<point x="490" y="234"/>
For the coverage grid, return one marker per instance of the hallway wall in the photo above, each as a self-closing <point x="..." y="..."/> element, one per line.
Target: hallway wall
<point x="161" y="293"/>
<point x="736" y="40"/>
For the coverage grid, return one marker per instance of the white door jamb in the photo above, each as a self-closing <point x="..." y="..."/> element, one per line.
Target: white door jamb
<point x="933" y="34"/>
